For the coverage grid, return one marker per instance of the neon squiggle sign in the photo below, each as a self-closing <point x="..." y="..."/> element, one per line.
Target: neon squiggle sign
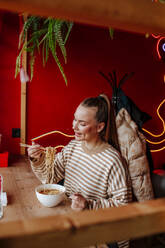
<point x="157" y="135"/>
<point x="160" y="44"/>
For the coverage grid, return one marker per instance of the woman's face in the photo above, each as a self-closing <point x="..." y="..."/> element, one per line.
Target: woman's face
<point x="85" y="125"/>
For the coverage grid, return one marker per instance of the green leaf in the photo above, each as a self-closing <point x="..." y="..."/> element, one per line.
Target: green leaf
<point x="32" y="61"/>
<point x="58" y="36"/>
<point x="69" y="28"/>
<point x="18" y="61"/>
<point x="111" y="32"/>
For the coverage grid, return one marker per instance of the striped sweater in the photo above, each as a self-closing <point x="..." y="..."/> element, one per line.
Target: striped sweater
<point x="98" y="175"/>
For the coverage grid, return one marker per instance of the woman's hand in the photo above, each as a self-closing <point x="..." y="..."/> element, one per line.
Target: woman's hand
<point x="78" y="202"/>
<point x="35" y="150"/>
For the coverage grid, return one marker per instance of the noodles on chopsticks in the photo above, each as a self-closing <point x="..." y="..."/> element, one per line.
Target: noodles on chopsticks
<point x="49" y="160"/>
<point x="50" y="153"/>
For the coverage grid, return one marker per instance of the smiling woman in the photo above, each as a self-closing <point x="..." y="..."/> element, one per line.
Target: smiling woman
<point x="92" y="169"/>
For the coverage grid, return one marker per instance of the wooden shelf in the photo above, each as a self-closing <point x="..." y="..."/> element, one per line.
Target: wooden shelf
<point x="137" y="16"/>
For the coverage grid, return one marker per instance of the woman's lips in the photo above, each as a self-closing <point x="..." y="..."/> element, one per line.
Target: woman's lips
<point x="77" y="134"/>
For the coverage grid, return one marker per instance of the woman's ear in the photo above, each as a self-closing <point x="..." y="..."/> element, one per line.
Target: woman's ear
<point x="100" y="127"/>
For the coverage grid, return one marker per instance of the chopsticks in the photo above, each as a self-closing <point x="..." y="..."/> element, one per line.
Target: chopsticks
<point x="26" y="145"/>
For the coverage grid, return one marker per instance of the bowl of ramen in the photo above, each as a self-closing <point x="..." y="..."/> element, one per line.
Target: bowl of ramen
<point x="50" y="195"/>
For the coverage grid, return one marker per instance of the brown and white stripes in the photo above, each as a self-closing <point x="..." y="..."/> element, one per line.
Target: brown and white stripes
<point x="98" y="175"/>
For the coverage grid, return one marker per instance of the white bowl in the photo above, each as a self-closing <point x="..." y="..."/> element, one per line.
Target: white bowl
<point x="50" y="200"/>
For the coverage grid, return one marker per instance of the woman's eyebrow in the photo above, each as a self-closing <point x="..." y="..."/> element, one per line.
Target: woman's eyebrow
<point x="83" y="121"/>
<point x="79" y="120"/>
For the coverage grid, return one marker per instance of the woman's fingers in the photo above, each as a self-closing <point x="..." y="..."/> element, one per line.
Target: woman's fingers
<point x="78" y="202"/>
<point x="76" y="197"/>
<point x="35" y="150"/>
<point x="76" y="205"/>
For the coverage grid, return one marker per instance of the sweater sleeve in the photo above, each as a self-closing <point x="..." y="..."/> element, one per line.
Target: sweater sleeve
<point x="119" y="189"/>
<point x="53" y="173"/>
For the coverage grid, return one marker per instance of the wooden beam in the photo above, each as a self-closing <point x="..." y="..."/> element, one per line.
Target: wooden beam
<point x="23" y="100"/>
<point x="137" y="16"/>
<point x="87" y="227"/>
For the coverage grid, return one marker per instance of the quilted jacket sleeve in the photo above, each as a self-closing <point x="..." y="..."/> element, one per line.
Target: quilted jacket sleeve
<point x="133" y="149"/>
<point x="139" y="170"/>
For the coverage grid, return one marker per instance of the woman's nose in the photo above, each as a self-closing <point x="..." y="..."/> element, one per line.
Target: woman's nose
<point x="75" y="125"/>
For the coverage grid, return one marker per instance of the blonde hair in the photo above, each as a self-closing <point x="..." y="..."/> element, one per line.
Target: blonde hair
<point x="105" y="113"/>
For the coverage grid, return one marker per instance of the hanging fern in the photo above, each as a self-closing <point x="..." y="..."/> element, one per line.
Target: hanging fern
<point x="43" y="34"/>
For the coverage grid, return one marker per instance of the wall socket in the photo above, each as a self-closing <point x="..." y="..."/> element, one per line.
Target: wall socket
<point x="16" y="132"/>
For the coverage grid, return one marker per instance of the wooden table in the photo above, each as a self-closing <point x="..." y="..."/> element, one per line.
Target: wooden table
<point x="19" y="184"/>
<point x="26" y="223"/>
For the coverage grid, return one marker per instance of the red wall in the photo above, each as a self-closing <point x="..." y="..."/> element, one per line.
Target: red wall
<point x="9" y="86"/>
<point x="51" y="104"/>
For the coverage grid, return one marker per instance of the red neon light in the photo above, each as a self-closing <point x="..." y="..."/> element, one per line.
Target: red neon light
<point x="155" y="36"/>
<point x="157" y="47"/>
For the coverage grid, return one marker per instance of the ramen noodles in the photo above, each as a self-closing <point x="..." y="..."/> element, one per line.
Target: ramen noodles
<point x="50" y="191"/>
<point x="49" y="162"/>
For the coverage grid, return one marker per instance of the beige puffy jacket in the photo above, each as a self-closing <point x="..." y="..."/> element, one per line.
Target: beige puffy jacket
<point x="133" y="149"/>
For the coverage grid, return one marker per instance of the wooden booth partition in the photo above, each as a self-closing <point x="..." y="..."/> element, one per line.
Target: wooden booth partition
<point x="80" y="229"/>
<point x="23" y="99"/>
<point x="137" y="16"/>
